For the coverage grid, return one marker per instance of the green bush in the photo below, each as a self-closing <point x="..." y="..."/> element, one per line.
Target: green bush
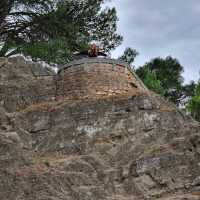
<point x="193" y="105"/>
<point x="150" y="80"/>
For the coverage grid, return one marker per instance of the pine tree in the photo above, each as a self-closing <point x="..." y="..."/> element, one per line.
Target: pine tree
<point x="51" y="30"/>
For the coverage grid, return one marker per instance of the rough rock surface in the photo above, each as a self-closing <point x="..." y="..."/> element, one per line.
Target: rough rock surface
<point x="23" y="83"/>
<point x="126" y="148"/>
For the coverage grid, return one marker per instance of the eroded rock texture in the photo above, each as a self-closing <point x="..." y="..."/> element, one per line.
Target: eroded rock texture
<point x="125" y="148"/>
<point x="24" y="83"/>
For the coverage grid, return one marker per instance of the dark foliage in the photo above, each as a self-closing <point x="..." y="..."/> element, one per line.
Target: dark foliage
<point x="169" y="72"/>
<point x="129" y="55"/>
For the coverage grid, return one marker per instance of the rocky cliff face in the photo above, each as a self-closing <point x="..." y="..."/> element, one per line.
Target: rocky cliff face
<point x="24" y="83"/>
<point x="121" y="148"/>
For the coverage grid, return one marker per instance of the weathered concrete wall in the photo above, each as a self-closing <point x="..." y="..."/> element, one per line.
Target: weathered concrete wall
<point x="97" y="78"/>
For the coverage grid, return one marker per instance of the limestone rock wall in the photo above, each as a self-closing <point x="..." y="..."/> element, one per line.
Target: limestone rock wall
<point x="97" y="78"/>
<point x="24" y="83"/>
<point x="109" y="149"/>
<point x="132" y="146"/>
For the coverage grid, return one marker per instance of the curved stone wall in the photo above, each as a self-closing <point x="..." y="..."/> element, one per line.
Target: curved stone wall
<point x="97" y="78"/>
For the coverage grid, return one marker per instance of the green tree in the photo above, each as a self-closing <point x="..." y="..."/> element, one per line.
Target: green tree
<point x="150" y="80"/>
<point x="129" y="55"/>
<point x="193" y="105"/>
<point x="188" y="91"/>
<point x="169" y="72"/>
<point x="51" y="30"/>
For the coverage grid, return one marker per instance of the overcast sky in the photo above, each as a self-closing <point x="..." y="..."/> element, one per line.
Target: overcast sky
<point x="158" y="28"/>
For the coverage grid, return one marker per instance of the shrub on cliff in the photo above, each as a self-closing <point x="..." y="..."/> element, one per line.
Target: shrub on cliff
<point x="129" y="56"/>
<point x="150" y="80"/>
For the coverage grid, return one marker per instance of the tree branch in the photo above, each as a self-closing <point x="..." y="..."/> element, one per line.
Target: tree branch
<point x="15" y="51"/>
<point x="4" y="49"/>
<point x="23" y="13"/>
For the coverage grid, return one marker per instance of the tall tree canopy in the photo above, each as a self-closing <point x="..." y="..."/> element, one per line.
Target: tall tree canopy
<point x="188" y="91"/>
<point x="51" y="30"/>
<point x="169" y="72"/>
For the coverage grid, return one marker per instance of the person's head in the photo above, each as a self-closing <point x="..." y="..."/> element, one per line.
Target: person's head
<point x="93" y="46"/>
<point x="93" y="50"/>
